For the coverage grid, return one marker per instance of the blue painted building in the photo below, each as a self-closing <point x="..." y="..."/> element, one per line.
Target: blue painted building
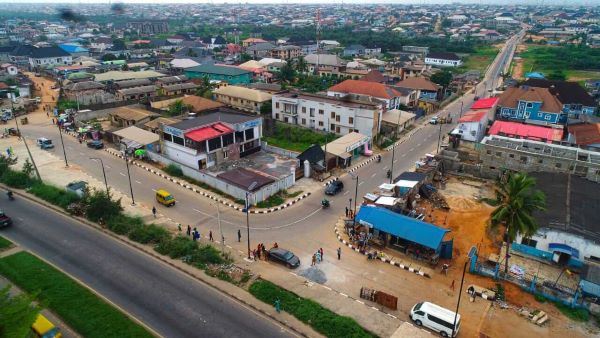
<point x="229" y="74"/>
<point x="575" y="99"/>
<point x="405" y="234"/>
<point x="531" y="105"/>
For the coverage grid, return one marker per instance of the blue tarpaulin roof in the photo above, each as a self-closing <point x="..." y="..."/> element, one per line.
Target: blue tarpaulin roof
<point x="72" y="48"/>
<point x="408" y="228"/>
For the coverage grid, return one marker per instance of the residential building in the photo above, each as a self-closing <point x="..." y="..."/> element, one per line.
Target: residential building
<point x="328" y="64"/>
<point x="524" y="131"/>
<point x="232" y="75"/>
<point x="574" y="98"/>
<point x="49" y="56"/>
<point x="416" y="49"/>
<point x="326" y="113"/>
<point x="9" y="69"/>
<point x="260" y="50"/>
<point x="499" y="153"/>
<point x="214" y="42"/>
<point x="246" y="99"/>
<point x="149" y="27"/>
<point x="585" y="135"/>
<point x="19" y="55"/>
<point x="286" y="52"/>
<point x="341" y="151"/>
<point x="137" y="93"/>
<point x="390" y="96"/>
<point x="251" y="41"/>
<point x="424" y="87"/>
<point x="130" y="115"/>
<point x="471" y="126"/>
<point x="209" y="139"/>
<point x="394" y="121"/>
<point x="113" y="76"/>
<point x="354" y="50"/>
<point x="569" y="228"/>
<point x="87" y="92"/>
<point x="178" y="88"/>
<point x="443" y="59"/>
<point x="196" y="104"/>
<point x="75" y="50"/>
<point x="531" y="105"/>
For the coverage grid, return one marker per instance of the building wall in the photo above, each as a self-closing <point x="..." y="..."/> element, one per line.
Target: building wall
<point x="531" y="111"/>
<point x="442" y="62"/>
<point x="555" y="158"/>
<point x="243" y="104"/>
<point x="545" y="236"/>
<point x="62" y="60"/>
<point x="393" y="103"/>
<point x="473" y="131"/>
<point x="321" y="115"/>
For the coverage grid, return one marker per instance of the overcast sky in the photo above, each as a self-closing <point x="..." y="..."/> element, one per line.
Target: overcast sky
<point x="547" y="2"/>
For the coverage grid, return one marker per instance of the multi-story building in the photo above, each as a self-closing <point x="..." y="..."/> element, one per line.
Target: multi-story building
<point x="286" y="52"/>
<point x="531" y="105"/>
<point x="327" y="113"/>
<point x="48" y="56"/>
<point x="574" y="98"/>
<point x="209" y="139"/>
<point x="390" y="96"/>
<point x="149" y="27"/>
<point x="443" y="59"/>
<point x="242" y="98"/>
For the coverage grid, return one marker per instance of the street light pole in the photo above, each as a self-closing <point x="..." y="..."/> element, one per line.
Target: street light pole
<point x="103" y="172"/>
<point x="63" y="144"/>
<point x="128" y="174"/>
<point x="392" y="167"/>
<point x="462" y="280"/>
<point x="355" y="198"/>
<point x="220" y="229"/>
<point x="12" y="109"/>
<point x="461" y="107"/>
<point x="439" y="138"/>
<point x="251" y="187"/>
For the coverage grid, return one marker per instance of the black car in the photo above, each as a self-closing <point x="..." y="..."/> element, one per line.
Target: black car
<point x="334" y="187"/>
<point x="96" y="144"/>
<point x="4" y="220"/>
<point x="284" y="256"/>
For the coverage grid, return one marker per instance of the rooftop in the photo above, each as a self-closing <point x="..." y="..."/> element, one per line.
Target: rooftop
<point x="244" y="178"/>
<point x="372" y="89"/>
<point x="249" y="94"/>
<point x="512" y="96"/>
<point x="223" y="115"/>
<point x="127" y="75"/>
<point x="220" y="70"/>
<point x="526" y="131"/>
<point x="485" y="103"/>
<point x="418" y="83"/>
<point x="472" y="116"/>
<point x="585" y="133"/>
<point x="344" y="101"/>
<point x="566" y="92"/>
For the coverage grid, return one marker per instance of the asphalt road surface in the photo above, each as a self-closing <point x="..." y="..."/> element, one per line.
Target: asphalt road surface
<point x="166" y="300"/>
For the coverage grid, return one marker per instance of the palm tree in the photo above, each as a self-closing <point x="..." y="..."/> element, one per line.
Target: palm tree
<point x="517" y="199"/>
<point x="300" y="65"/>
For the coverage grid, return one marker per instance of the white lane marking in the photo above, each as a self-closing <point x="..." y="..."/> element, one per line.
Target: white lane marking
<point x="418" y="145"/>
<point x="138" y="182"/>
<point x="95" y="160"/>
<point x="361" y="183"/>
<point x="347" y="192"/>
<point x="411" y="149"/>
<point x="403" y="155"/>
<point x="154" y="190"/>
<point x="374" y="174"/>
<point x="384" y="168"/>
<point x="122" y="174"/>
<point x="343" y="294"/>
<point x="107" y="167"/>
<point x="196" y="210"/>
<point x="396" y="160"/>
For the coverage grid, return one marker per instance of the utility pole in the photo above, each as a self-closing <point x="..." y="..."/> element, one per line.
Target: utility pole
<point x="394" y="148"/>
<point x="12" y="109"/>
<point x="128" y="174"/>
<point x="462" y="280"/>
<point x="220" y="229"/>
<point x="62" y="143"/>
<point x="103" y="172"/>
<point x="355" y="197"/>
<point x="325" y="152"/>
<point x="251" y="187"/>
<point x="439" y="138"/>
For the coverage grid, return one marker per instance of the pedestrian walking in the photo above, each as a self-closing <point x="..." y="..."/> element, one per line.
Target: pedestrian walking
<point x="258" y="251"/>
<point x="47" y="114"/>
<point x="179" y="227"/>
<point x="452" y="285"/>
<point x="445" y="269"/>
<point x="239" y="235"/>
<point x="321" y="251"/>
<point x="154" y="211"/>
<point x="314" y="260"/>
<point x="53" y="122"/>
<point x="194" y="234"/>
<point x="189" y="230"/>
<point x="318" y="255"/>
<point x="210" y="237"/>
<point x="346" y="211"/>
<point x="278" y="306"/>
<point x="339" y="252"/>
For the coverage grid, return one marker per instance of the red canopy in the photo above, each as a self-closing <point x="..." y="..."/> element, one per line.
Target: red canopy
<point x="526" y="131"/>
<point x="484" y="103"/>
<point x="206" y="133"/>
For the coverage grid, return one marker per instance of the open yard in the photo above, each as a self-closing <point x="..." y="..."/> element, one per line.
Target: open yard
<point x="479" y="60"/>
<point x="296" y="138"/>
<point x="572" y="63"/>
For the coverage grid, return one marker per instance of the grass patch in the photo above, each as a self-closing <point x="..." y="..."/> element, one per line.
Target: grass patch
<point x="540" y="298"/>
<point x="576" y="314"/>
<point x="175" y="171"/>
<point x="277" y="199"/>
<point x="310" y="312"/>
<point x="572" y="62"/>
<point x="5" y="243"/>
<point x="54" y="195"/>
<point x="82" y="310"/>
<point x="490" y="201"/>
<point x="296" y="138"/>
<point x="479" y="60"/>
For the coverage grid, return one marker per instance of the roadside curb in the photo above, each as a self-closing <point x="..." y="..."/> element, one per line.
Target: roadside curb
<point x="362" y="164"/>
<point x="204" y="193"/>
<point x="406" y="137"/>
<point x="206" y="280"/>
<point x="385" y="260"/>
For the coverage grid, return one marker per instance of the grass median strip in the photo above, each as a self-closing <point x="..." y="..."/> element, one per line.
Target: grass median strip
<point x="4" y="243"/>
<point x="310" y="312"/>
<point x="81" y="309"/>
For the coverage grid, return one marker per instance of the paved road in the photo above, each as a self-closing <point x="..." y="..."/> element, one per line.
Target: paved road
<point x="168" y="301"/>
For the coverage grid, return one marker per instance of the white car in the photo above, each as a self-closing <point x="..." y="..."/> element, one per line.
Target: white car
<point x="434" y="120"/>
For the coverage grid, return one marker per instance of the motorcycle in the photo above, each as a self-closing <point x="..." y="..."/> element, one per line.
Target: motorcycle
<point x="325" y="204"/>
<point x="389" y="174"/>
<point x="378" y="158"/>
<point x="10" y="195"/>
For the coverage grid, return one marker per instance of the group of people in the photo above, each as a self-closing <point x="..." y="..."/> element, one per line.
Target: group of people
<point x="261" y="252"/>
<point x="317" y="257"/>
<point x="349" y="213"/>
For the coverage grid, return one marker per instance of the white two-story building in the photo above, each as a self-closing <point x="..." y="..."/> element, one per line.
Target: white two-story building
<point x="47" y="56"/>
<point x="443" y="59"/>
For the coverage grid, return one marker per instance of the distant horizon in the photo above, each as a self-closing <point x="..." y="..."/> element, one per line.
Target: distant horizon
<point x="560" y="3"/>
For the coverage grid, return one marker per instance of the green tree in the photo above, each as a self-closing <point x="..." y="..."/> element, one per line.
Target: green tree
<point x="286" y="73"/>
<point x="178" y="108"/>
<point x="27" y="167"/>
<point x="517" y="199"/>
<point x="100" y="205"/>
<point x="300" y="65"/>
<point x="266" y="109"/>
<point x="244" y="57"/>
<point x="17" y="314"/>
<point x="108" y="57"/>
<point x="206" y="88"/>
<point x="557" y="75"/>
<point x="442" y="78"/>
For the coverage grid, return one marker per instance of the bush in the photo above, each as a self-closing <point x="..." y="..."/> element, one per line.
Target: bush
<point x="149" y="234"/>
<point x="54" y="195"/>
<point x="176" y="247"/>
<point x="540" y="298"/>
<point x="123" y="225"/>
<point x="206" y="254"/>
<point x="16" y="179"/>
<point x="174" y="170"/>
<point x="577" y="314"/>
<point x="100" y="205"/>
<point x="319" y="318"/>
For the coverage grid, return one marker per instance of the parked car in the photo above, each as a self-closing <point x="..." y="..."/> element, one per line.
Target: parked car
<point x="434" y="120"/>
<point x="285" y="257"/>
<point x="95" y="144"/>
<point x="44" y="143"/>
<point x="77" y="187"/>
<point x="4" y="220"/>
<point x="42" y="327"/>
<point x="334" y="187"/>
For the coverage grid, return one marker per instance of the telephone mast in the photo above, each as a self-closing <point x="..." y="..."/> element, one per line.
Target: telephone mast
<point x="318" y="32"/>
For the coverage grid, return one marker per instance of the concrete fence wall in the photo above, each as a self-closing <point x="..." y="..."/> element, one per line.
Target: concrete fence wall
<point x="238" y="193"/>
<point x="279" y="151"/>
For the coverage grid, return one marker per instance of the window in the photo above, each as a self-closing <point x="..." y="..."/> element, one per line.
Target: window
<point x="227" y="139"/>
<point x="337" y="130"/>
<point x="499" y="153"/>
<point x="529" y="104"/>
<point x="304" y="121"/>
<point x="439" y="321"/>
<point x="351" y="120"/>
<point x="332" y="114"/>
<point x="321" y="112"/>
<point x="286" y="120"/>
<point x="304" y="110"/>
<point x="277" y="105"/>
<point x="332" y="127"/>
<point x="337" y="118"/>
<point x="178" y="140"/>
<point x="524" y="159"/>
<point x="511" y="155"/>
<point x="320" y="123"/>
<point x="249" y="134"/>
<point x="541" y="160"/>
<point x="225" y="154"/>
<point x="529" y="242"/>
<point x="547" y="117"/>
<point x="214" y="143"/>
<point x="489" y="152"/>
<point x="277" y="116"/>
<point x="540" y="115"/>
<point x="558" y="165"/>
<point x="168" y="137"/>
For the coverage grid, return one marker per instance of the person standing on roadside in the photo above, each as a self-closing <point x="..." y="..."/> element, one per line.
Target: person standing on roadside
<point x="154" y="211"/>
<point x="189" y="230"/>
<point x="210" y="237"/>
<point x="314" y="260"/>
<point x="239" y="235"/>
<point x="339" y="253"/>
<point x="321" y="252"/>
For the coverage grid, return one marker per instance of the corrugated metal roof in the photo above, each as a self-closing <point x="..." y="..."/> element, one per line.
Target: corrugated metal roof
<point x="407" y="228"/>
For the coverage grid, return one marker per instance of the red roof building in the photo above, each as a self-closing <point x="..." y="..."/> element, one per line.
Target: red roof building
<point x="208" y="132"/>
<point x="472" y="116"/>
<point x="471" y="126"/>
<point x="366" y="88"/>
<point x="526" y="131"/>
<point x="585" y="134"/>
<point x="485" y="103"/>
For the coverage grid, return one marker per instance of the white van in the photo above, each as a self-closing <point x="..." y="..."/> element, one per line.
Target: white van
<point x="435" y="317"/>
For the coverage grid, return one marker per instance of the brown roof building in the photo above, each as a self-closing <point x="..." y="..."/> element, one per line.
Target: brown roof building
<point x="512" y="96"/>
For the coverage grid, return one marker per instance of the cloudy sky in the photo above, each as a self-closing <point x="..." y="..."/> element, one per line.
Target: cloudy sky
<point x="547" y="2"/>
